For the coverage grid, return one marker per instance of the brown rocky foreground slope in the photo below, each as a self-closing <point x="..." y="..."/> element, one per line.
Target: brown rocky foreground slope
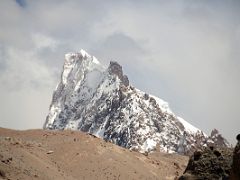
<point x="41" y="154"/>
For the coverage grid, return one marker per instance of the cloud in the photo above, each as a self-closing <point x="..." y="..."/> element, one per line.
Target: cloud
<point x="184" y="52"/>
<point x="2" y="59"/>
<point x="21" y="3"/>
<point x="192" y="58"/>
<point x="118" y="46"/>
<point x="41" y="41"/>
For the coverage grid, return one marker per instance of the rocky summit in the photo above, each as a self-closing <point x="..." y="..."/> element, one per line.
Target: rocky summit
<point x="101" y="101"/>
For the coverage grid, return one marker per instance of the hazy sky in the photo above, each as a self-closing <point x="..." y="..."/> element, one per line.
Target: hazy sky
<point x="185" y="52"/>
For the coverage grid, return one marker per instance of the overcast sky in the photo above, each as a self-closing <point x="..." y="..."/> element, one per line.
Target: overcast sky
<point x="185" y="52"/>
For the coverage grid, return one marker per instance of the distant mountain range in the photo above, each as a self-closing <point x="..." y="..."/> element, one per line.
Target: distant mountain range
<point x="100" y="100"/>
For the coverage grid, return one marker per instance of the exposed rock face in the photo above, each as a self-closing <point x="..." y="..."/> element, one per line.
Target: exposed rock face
<point x="125" y="80"/>
<point x="100" y="101"/>
<point x="218" y="139"/>
<point x="235" y="173"/>
<point x="115" y="68"/>
<point x="209" y="164"/>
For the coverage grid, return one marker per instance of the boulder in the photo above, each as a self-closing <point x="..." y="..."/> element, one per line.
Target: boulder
<point x="210" y="163"/>
<point x="235" y="172"/>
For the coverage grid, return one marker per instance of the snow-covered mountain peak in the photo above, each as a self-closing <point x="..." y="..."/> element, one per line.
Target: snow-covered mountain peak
<point x="84" y="53"/>
<point x="78" y="64"/>
<point x="101" y="101"/>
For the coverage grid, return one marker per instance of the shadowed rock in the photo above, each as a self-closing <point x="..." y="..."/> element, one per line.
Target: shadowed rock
<point x="115" y="68"/>
<point x="235" y="173"/>
<point x="212" y="164"/>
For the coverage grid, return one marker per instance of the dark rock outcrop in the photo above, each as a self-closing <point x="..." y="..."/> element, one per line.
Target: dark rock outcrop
<point x="211" y="163"/>
<point x="214" y="162"/>
<point x="218" y="139"/>
<point x="115" y="68"/>
<point x="235" y="172"/>
<point x="125" y="80"/>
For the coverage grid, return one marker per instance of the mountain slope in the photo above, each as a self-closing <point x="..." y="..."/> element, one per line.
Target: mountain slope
<point x="100" y="100"/>
<point x="72" y="155"/>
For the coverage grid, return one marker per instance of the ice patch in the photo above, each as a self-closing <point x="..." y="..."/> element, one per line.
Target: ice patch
<point x="163" y="104"/>
<point x="100" y="132"/>
<point x="190" y="128"/>
<point x="95" y="60"/>
<point x="72" y="125"/>
<point x="84" y="53"/>
<point x="149" y="144"/>
<point x="93" y="79"/>
<point x="54" y="111"/>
